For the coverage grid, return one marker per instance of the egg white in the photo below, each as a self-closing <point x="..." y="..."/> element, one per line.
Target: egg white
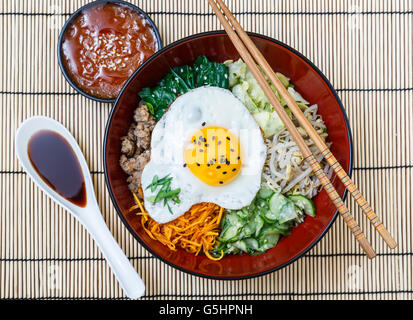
<point x="210" y="106"/>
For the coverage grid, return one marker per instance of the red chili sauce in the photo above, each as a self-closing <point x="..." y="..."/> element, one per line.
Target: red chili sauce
<point x="104" y="45"/>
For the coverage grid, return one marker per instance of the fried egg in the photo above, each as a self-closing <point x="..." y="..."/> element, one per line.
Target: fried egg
<point x="211" y="147"/>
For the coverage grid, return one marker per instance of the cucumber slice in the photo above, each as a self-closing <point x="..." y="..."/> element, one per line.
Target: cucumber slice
<point x="265" y="193"/>
<point x="230" y="233"/>
<point x="269" y="241"/>
<point x="267" y="230"/>
<point x="304" y="204"/>
<point x="283" y="228"/>
<point x="249" y="229"/>
<point x="277" y="201"/>
<point x="241" y="244"/>
<point x="233" y="219"/>
<point x="288" y="212"/>
<point x="252" y="244"/>
<point x="259" y="223"/>
<point x="261" y="203"/>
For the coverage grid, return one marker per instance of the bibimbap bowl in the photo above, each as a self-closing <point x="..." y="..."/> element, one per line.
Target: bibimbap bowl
<point x="216" y="46"/>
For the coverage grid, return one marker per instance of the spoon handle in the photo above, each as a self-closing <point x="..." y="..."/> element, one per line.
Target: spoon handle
<point x="126" y="274"/>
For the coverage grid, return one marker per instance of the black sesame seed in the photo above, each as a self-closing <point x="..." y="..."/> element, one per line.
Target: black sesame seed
<point x="206" y="145"/>
<point x="199" y="143"/>
<point x="218" y="167"/>
<point x="219" y="142"/>
<point x="235" y="169"/>
<point x="194" y="140"/>
<point x="197" y="164"/>
<point x="221" y="182"/>
<point x="227" y="162"/>
<point x="239" y="157"/>
<point x="224" y="172"/>
<point x="228" y="138"/>
<point x="203" y="124"/>
<point x="232" y="150"/>
<point x="184" y="165"/>
<point x="208" y="164"/>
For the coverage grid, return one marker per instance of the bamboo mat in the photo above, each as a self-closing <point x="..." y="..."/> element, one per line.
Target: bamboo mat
<point x="363" y="47"/>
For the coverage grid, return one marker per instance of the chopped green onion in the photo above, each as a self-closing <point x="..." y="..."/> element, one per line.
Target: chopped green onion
<point x="164" y="193"/>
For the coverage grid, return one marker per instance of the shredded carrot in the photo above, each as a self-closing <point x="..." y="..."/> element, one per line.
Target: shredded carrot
<point x="196" y="230"/>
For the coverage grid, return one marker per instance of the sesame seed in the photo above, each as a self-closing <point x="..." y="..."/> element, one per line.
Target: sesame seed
<point x="219" y="142"/>
<point x="233" y="170"/>
<point x="184" y="165"/>
<point x="228" y="138"/>
<point x="198" y="164"/>
<point x="239" y="157"/>
<point x="232" y="150"/>
<point x="224" y="172"/>
<point x="221" y="182"/>
<point x="203" y="124"/>
<point x="218" y="167"/>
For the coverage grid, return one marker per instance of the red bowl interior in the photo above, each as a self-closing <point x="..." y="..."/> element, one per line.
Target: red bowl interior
<point x="307" y="79"/>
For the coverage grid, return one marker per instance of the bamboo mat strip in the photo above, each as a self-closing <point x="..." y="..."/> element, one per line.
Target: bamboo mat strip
<point x="363" y="47"/>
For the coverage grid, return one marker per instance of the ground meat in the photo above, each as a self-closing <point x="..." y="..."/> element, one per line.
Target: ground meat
<point x="134" y="181"/>
<point x="131" y="132"/>
<point x="142" y="114"/>
<point x="128" y="146"/>
<point x="143" y="135"/>
<point x="135" y="147"/>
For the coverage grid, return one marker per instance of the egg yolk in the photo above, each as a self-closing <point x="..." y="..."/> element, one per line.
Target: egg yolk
<point x="214" y="156"/>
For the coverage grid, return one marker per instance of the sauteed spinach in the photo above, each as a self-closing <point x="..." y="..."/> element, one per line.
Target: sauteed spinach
<point x="180" y="80"/>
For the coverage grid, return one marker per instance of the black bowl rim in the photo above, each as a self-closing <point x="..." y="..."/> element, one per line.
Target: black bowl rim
<point x="69" y="21"/>
<point x="252" y="275"/>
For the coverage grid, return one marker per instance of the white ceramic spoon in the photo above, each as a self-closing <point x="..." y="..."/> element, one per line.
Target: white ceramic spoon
<point x="90" y="216"/>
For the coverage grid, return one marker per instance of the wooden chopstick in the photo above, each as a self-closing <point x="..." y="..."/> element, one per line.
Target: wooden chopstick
<point x="325" y="151"/>
<point x="308" y="156"/>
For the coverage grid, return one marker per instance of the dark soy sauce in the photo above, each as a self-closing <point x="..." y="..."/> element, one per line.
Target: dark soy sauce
<point x="56" y="163"/>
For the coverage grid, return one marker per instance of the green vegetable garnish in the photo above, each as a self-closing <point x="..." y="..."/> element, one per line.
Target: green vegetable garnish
<point x="165" y="192"/>
<point x="180" y="80"/>
<point x="258" y="227"/>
